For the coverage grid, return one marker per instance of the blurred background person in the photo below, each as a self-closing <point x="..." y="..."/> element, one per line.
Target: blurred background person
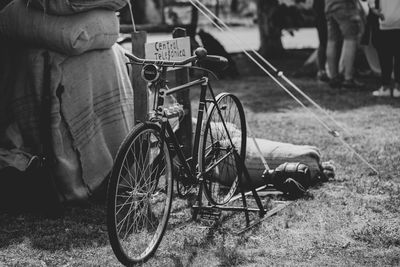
<point x="387" y="44"/>
<point x="343" y="22"/>
<point x="320" y="21"/>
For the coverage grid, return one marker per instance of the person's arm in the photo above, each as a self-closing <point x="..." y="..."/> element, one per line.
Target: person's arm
<point x="374" y="8"/>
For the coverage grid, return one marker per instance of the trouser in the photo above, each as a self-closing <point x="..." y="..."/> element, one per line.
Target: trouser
<point x="322" y="29"/>
<point x="323" y="39"/>
<point x="388" y="47"/>
<point x="346" y="24"/>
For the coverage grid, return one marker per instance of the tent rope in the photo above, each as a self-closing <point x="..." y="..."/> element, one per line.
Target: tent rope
<point x="131" y="14"/>
<point x="240" y="43"/>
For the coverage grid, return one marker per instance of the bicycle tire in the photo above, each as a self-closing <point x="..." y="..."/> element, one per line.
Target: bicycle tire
<point x="139" y="192"/>
<point x="221" y="181"/>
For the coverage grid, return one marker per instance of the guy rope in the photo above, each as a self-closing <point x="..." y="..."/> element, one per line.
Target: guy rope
<point x="274" y="74"/>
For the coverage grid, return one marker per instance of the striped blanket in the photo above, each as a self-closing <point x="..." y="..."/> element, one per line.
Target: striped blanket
<point x="91" y="112"/>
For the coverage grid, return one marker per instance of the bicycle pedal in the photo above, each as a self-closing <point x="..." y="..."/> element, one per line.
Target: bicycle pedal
<point x="210" y="214"/>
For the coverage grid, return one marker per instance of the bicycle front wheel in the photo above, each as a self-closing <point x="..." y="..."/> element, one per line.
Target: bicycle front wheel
<point x="139" y="195"/>
<point x="224" y="135"/>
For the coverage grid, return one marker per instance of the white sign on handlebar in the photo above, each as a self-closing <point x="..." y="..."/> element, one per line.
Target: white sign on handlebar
<point x="169" y="50"/>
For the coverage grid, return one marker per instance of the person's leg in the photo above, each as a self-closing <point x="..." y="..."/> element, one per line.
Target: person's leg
<point x="348" y="57"/>
<point x="385" y="57"/>
<point x="386" y="62"/>
<point x="395" y="49"/>
<point x="351" y="28"/>
<point x="383" y="45"/>
<point x="323" y="38"/>
<point x="396" y="67"/>
<point x="332" y="56"/>
<point x="321" y="53"/>
<point x="322" y="29"/>
<point x="322" y="50"/>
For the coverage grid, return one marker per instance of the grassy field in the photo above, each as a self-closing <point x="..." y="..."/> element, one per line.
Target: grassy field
<point x="353" y="220"/>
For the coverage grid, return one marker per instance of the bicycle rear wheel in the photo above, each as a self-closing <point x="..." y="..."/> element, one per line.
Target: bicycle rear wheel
<point x="139" y="195"/>
<point x="223" y="134"/>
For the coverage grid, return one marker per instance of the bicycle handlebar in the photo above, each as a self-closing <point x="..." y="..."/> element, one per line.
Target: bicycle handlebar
<point x="200" y="56"/>
<point x="140" y="61"/>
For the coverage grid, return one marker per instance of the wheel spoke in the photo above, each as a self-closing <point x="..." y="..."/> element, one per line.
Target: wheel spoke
<point x="122" y="205"/>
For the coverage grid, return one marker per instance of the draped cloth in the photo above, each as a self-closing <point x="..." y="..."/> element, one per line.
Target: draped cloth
<point x="91" y="100"/>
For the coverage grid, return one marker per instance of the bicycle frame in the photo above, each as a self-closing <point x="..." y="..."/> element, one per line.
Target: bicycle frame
<point x="188" y="165"/>
<point x="192" y="176"/>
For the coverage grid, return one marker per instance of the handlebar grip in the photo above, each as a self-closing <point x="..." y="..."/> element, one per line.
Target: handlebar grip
<point x="220" y="62"/>
<point x="202" y="56"/>
<point x="217" y="59"/>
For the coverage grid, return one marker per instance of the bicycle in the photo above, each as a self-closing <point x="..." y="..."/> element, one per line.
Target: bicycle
<point x="140" y="189"/>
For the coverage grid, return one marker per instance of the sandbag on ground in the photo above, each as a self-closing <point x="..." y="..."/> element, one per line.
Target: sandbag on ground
<point x="68" y="7"/>
<point x="277" y="153"/>
<point x="72" y="35"/>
